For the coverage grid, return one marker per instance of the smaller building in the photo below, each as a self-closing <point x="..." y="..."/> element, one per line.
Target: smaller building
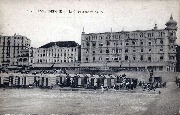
<point x="57" y="54"/>
<point x="26" y="59"/>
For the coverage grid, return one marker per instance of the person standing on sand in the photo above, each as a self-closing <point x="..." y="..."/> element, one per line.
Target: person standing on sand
<point x="159" y="92"/>
<point x="102" y="88"/>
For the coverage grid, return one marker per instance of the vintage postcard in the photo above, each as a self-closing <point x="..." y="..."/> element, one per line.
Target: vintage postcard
<point x="90" y="57"/>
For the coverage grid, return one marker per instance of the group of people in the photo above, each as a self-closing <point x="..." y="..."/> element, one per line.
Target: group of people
<point x="123" y="82"/>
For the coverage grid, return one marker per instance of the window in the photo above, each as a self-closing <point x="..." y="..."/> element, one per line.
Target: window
<point x="94" y="44"/>
<point x="101" y="44"/>
<point x="161" y="41"/>
<point x="115" y="58"/>
<point x="161" y="57"/>
<point x="149" y="58"/>
<point x="149" y="50"/>
<point x="141" y="35"/>
<point x="133" y="42"/>
<point x="160" y="34"/>
<point x="113" y="51"/>
<point x="93" y="58"/>
<point x="107" y="58"/>
<point x="149" y="43"/>
<point x="126" y="58"/>
<point x="86" y="59"/>
<point x="87" y="43"/>
<point x="127" y="43"/>
<point x="134" y="57"/>
<point x="161" y="48"/>
<point x="134" y="50"/>
<point x="108" y="43"/>
<point x="141" y="50"/>
<point x="100" y="58"/>
<point x="107" y="51"/>
<point x="141" y="42"/>
<point x="141" y="58"/>
<point x="126" y="50"/>
<point x="93" y="52"/>
<point x="100" y="51"/>
<point x="150" y="34"/>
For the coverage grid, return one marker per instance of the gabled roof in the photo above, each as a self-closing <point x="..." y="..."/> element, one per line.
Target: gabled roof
<point x="61" y="44"/>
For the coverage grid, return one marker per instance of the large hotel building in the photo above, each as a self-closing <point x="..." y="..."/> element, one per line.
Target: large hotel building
<point x="11" y="48"/>
<point x="140" y="50"/>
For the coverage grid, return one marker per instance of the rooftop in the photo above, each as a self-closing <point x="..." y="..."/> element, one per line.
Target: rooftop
<point x="60" y="44"/>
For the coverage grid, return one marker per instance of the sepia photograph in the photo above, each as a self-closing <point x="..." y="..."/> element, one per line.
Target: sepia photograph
<point x="78" y="57"/>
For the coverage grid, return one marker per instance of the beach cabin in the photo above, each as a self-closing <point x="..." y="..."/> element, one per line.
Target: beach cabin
<point x="83" y="80"/>
<point x="96" y="79"/>
<point x="28" y="80"/>
<point x="60" y="79"/>
<point x="101" y="81"/>
<point x="4" y="78"/>
<point x="67" y="81"/>
<point x="47" y="80"/>
<point x="80" y="80"/>
<point x="113" y="80"/>
<point x="11" y="80"/>
<point x="17" y="79"/>
<point x="107" y="81"/>
<point x="88" y="77"/>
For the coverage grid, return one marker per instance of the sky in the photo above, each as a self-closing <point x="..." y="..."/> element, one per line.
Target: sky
<point x="45" y="21"/>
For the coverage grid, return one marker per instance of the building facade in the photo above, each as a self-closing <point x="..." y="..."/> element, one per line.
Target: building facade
<point x="141" y="49"/>
<point x="26" y="59"/>
<point x="178" y="59"/>
<point x="11" y="48"/>
<point x="57" y="52"/>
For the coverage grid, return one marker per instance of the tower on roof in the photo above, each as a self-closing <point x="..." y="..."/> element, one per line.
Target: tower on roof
<point x="171" y="24"/>
<point x="155" y="27"/>
<point x="83" y="31"/>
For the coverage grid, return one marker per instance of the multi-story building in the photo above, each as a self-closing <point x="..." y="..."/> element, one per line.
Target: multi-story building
<point x="61" y="52"/>
<point x="141" y="49"/>
<point x="26" y="58"/>
<point x="178" y="58"/>
<point x="11" y="48"/>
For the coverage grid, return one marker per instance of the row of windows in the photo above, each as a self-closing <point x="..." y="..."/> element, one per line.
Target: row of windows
<point x="94" y="44"/>
<point x="127" y="58"/>
<point x="120" y="50"/>
<point x="109" y="36"/>
<point x="54" y="60"/>
<point x="55" y="55"/>
<point x="54" y="50"/>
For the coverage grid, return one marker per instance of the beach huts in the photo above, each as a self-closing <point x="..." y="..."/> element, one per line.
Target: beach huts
<point x="64" y="80"/>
